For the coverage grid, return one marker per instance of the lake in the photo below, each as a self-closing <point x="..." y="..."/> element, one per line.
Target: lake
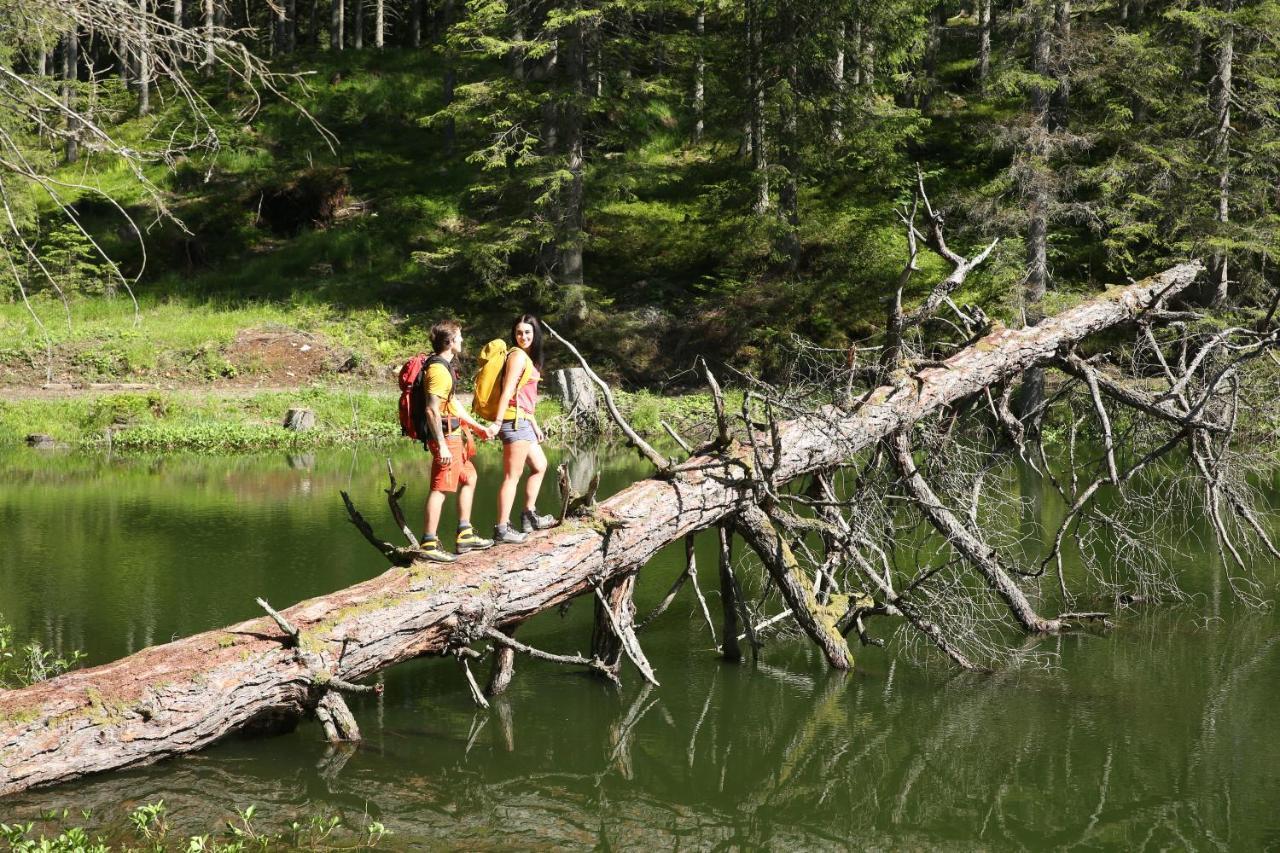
<point x="1160" y="733"/>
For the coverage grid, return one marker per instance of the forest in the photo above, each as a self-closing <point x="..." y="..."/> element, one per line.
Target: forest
<point x="703" y="178"/>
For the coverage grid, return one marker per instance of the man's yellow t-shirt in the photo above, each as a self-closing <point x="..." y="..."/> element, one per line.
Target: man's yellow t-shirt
<point x="440" y="384"/>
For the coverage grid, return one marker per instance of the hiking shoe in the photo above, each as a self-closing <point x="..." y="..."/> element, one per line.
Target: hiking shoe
<point x="531" y="521"/>
<point x="503" y="534"/>
<point x="434" y="552"/>
<point x="468" y="540"/>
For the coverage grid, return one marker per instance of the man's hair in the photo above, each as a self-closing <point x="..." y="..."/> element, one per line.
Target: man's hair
<point x="442" y="334"/>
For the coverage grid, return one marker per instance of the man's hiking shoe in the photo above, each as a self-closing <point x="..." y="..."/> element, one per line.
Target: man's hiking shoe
<point x="432" y="551"/>
<point x="531" y="521"/>
<point x="469" y="541"/>
<point x="503" y="534"/>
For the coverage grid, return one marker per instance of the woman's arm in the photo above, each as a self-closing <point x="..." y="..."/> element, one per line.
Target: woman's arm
<point x="511" y="378"/>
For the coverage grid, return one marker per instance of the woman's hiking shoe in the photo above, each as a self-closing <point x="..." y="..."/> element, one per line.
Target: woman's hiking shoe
<point x="468" y="541"/>
<point x="531" y="521"/>
<point x="503" y="534"/>
<point x="432" y="551"/>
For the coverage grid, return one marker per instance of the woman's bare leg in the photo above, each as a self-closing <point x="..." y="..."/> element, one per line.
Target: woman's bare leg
<point x="513" y="458"/>
<point x="537" y="462"/>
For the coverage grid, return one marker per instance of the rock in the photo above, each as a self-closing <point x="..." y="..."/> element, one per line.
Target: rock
<point x="40" y="441"/>
<point x="578" y="397"/>
<point x="299" y="420"/>
<point x="56" y="386"/>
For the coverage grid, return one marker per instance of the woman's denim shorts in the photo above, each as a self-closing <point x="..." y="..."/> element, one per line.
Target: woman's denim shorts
<point x="521" y="430"/>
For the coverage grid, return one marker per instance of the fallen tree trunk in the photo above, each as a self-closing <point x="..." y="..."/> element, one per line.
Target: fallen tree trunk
<point x="185" y="695"/>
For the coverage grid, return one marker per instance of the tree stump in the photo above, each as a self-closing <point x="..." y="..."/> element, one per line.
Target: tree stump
<point x="299" y="420"/>
<point x="577" y="395"/>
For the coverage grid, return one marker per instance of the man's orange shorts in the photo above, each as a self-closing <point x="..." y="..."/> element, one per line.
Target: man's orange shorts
<point x="447" y="478"/>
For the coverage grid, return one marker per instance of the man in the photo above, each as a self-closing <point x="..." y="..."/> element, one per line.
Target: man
<point x="451" y="468"/>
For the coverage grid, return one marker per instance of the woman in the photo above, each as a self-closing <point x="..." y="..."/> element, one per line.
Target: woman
<point x="520" y="433"/>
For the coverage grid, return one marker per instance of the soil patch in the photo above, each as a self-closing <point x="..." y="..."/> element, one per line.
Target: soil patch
<point x="286" y="357"/>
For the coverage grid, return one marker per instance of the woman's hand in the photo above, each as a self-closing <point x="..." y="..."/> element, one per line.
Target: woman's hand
<point x="537" y="431"/>
<point x="492" y="430"/>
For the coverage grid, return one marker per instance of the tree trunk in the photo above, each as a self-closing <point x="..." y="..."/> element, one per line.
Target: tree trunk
<point x="415" y="23"/>
<point x="1038" y="198"/>
<point x="984" y="43"/>
<point x="837" y="82"/>
<point x="70" y="74"/>
<point x="177" y="13"/>
<point x="606" y="644"/>
<point x="929" y="67"/>
<point x="570" y="237"/>
<point x="730" y="648"/>
<point x="1058" y="102"/>
<point x="208" y="36"/>
<point x="336" y="14"/>
<point x="504" y="666"/>
<point x="699" y="72"/>
<point x="144" y="57"/>
<point x="380" y="24"/>
<point x="1223" y="85"/>
<point x="789" y="151"/>
<point x="357" y="30"/>
<point x="817" y="621"/>
<point x="755" y="91"/>
<point x="185" y="695"/>
<point x="450" y="75"/>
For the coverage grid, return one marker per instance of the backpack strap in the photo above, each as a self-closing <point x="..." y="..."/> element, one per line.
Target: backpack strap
<point x="452" y="368"/>
<point x="525" y="375"/>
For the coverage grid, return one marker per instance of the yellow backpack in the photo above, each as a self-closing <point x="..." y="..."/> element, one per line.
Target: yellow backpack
<point x="488" y="402"/>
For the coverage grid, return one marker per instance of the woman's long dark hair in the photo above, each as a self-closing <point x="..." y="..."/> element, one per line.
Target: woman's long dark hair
<point x="535" y="349"/>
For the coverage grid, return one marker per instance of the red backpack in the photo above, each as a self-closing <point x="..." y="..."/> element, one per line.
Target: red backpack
<point x="413" y="395"/>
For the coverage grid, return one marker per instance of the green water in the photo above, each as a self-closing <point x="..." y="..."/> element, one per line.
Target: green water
<point x="1164" y="733"/>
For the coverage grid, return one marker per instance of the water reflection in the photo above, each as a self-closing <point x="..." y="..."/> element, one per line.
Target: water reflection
<point x="1158" y="735"/>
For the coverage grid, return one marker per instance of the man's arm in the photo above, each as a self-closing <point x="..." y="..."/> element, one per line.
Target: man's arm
<point x="435" y="422"/>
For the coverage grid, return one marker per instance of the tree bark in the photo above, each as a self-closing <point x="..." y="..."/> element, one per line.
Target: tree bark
<point x="185" y="695"/>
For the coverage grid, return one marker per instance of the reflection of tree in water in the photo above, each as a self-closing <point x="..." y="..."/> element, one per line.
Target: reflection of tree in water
<point x="1095" y="754"/>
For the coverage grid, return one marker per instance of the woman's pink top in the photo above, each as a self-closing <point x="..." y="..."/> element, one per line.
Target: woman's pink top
<point x="527" y="394"/>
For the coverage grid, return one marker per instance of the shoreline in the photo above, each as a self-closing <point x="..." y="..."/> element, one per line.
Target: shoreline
<point x="133" y="417"/>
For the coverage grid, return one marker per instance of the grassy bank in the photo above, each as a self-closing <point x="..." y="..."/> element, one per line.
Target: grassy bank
<point x="243" y="421"/>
